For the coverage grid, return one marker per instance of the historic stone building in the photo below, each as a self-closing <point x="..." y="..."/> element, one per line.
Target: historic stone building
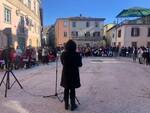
<point x="131" y="32"/>
<point x="20" y="23"/>
<point x="83" y="30"/>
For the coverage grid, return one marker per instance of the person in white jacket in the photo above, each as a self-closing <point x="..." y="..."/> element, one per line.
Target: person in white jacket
<point x="140" y="53"/>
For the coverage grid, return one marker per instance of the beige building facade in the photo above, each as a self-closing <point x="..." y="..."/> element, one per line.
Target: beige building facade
<point x="107" y="27"/>
<point x="111" y="36"/>
<point x="20" y="23"/>
<point x="83" y="30"/>
<point x="130" y="33"/>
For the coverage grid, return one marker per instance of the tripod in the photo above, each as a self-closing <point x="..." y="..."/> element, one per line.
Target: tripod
<point x="56" y="93"/>
<point x="7" y="83"/>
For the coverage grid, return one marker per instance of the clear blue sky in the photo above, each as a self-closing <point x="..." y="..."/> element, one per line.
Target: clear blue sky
<point x="91" y="8"/>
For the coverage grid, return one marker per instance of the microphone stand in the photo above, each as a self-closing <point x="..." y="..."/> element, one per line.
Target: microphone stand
<point x="56" y="94"/>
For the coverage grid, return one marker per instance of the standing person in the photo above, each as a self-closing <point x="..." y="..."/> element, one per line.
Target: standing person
<point x="135" y="51"/>
<point x="18" y="57"/>
<point x="6" y="56"/>
<point x="28" y="55"/>
<point x="46" y="55"/>
<point x="43" y="55"/>
<point x="40" y="55"/>
<point x="71" y="61"/>
<point x="149" y="55"/>
<point x="140" y="53"/>
<point x="18" y="51"/>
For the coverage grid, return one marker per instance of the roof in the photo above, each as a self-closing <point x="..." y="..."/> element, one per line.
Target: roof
<point x="134" y="12"/>
<point x="81" y="18"/>
<point x="109" y="24"/>
<point x="111" y="28"/>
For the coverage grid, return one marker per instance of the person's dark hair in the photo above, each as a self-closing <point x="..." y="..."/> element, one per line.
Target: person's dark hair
<point x="70" y="46"/>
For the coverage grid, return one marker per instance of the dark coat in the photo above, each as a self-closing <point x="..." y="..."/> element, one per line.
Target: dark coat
<point x="71" y="62"/>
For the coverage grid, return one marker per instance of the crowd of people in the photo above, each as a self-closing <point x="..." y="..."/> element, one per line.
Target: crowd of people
<point x="33" y="56"/>
<point x="141" y="53"/>
<point x="16" y="58"/>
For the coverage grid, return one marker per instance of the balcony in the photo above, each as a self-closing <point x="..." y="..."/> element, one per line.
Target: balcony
<point x="83" y="38"/>
<point x="138" y="21"/>
<point x="23" y="8"/>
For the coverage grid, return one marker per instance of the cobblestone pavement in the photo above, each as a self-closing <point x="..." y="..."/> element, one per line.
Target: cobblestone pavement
<point x="109" y="85"/>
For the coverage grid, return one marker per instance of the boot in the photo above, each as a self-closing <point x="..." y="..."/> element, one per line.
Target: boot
<point x="66" y="98"/>
<point x="66" y="106"/>
<point x="66" y="103"/>
<point x="73" y="105"/>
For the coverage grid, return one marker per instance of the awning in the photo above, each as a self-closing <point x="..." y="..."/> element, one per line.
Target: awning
<point x="134" y="12"/>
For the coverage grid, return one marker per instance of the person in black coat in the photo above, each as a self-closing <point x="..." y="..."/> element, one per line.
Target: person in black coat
<point x="7" y="57"/>
<point x="71" y="61"/>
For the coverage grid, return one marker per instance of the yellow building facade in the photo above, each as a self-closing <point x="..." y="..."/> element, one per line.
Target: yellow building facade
<point x="106" y="28"/>
<point x="20" y="23"/>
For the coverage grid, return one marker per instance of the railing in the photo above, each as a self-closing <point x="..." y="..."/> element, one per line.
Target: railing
<point x="145" y="20"/>
<point x="88" y="38"/>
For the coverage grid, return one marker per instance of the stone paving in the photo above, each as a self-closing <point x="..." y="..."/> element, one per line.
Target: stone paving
<point x="109" y="85"/>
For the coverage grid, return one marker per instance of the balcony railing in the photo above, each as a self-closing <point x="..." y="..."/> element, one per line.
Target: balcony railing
<point x="139" y="21"/>
<point x="82" y="38"/>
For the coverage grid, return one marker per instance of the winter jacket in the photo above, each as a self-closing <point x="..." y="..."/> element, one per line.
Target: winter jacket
<point x="71" y="62"/>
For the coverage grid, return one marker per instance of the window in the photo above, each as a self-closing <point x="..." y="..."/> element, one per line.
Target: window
<point x="21" y="20"/>
<point x="29" y="4"/>
<point x="119" y="33"/>
<point x="65" y="23"/>
<point x="135" y="32"/>
<point x="148" y="32"/>
<point x="96" y="34"/>
<point x="148" y="44"/>
<point x="87" y="24"/>
<point x="65" y="34"/>
<point x="119" y="44"/>
<point x="87" y="34"/>
<point x="73" y="24"/>
<point x="34" y="5"/>
<point x="113" y="35"/>
<point x="114" y="43"/>
<point x="96" y="24"/>
<point x="74" y="33"/>
<point x="37" y="7"/>
<point x="134" y="44"/>
<point x="29" y="24"/>
<point x="7" y="15"/>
